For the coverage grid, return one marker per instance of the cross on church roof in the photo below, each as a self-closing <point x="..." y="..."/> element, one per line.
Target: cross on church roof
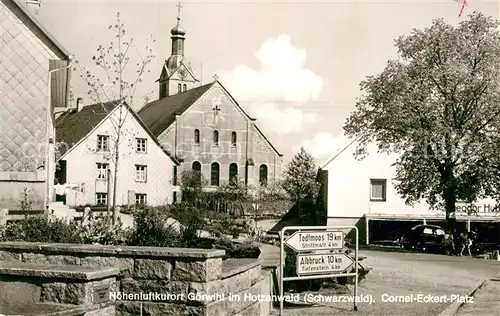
<point x="179" y="7"/>
<point x="216" y="77"/>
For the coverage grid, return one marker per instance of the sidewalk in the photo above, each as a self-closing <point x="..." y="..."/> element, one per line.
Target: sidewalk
<point x="486" y="300"/>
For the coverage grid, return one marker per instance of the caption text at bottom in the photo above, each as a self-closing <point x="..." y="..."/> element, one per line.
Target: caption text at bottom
<point x="291" y="298"/>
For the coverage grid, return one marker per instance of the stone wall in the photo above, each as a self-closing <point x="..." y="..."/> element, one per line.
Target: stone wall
<point x="68" y="289"/>
<point x="181" y="281"/>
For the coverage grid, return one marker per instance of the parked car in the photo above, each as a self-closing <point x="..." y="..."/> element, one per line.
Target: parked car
<point x="426" y="238"/>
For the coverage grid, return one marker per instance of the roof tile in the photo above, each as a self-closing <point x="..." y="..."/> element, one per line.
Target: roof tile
<point x="160" y="114"/>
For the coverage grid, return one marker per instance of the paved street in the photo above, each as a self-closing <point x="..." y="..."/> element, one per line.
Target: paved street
<point x="401" y="274"/>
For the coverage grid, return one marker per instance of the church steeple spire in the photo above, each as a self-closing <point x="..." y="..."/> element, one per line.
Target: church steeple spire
<point x="178" y="33"/>
<point x="177" y="74"/>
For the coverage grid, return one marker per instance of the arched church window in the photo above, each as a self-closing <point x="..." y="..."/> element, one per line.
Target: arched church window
<point x="196" y="166"/>
<point x="179" y="88"/>
<point x="197" y="136"/>
<point x="185" y="87"/>
<point x="214" y="174"/>
<point x="233" y="174"/>
<point x="263" y="175"/>
<point x="216" y="138"/>
<point x="233" y="139"/>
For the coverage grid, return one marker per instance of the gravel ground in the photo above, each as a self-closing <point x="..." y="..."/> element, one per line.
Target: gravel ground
<point x="400" y="274"/>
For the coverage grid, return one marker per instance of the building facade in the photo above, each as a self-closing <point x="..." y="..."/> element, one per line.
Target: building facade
<point x="27" y="101"/>
<point x="87" y="138"/>
<point x="362" y="193"/>
<point x="205" y="127"/>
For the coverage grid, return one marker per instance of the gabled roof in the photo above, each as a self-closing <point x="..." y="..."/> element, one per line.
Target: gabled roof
<point x="337" y="153"/>
<point x="169" y="73"/>
<point x="72" y="127"/>
<point x="248" y="116"/>
<point x="160" y="114"/>
<point x="17" y="8"/>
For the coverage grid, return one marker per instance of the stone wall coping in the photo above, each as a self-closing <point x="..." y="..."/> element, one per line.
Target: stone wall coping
<point x="232" y="267"/>
<point x="73" y="272"/>
<point x="134" y="251"/>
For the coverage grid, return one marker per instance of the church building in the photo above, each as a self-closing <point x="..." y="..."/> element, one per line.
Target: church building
<point x="205" y="128"/>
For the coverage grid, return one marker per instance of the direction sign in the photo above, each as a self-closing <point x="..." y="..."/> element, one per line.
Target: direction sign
<point x="323" y="263"/>
<point x="315" y="240"/>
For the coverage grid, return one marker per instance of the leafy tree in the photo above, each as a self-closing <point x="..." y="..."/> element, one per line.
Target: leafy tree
<point x="115" y="91"/>
<point x="191" y="184"/>
<point x="271" y="199"/>
<point x="299" y="182"/>
<point x="438" y="109"/>
<point x="299" y="179"/>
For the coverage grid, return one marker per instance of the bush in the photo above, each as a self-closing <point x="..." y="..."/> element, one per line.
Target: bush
<point x="290" y="270"/>
<point x="233" y="250"/>
<point x="41" y="229"/>
<point x="100" y="231"/>
<point x="237" y="250"/>
<point x="151" y="229"/>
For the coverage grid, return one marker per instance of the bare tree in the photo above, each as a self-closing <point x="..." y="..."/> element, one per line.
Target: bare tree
<point x="113" y="92"/>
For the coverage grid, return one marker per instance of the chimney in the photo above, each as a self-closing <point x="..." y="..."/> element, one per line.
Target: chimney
<point x="79" y="104"/>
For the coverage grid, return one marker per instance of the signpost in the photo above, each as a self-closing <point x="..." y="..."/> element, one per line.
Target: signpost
<point x="309" y="265"/>
<point x="311" y="240"/>
<point x="323" y="263"/>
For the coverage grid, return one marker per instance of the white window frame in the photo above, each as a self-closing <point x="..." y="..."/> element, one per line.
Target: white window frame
<point x="101" y="196"/>
<point x="102" y="143"/>
<point x="102" y="171"/>
<point x="141" y="196"/>
<point x="139" y="148"/>
<point x="382" y="182"/>
<point x="141" y="173"/>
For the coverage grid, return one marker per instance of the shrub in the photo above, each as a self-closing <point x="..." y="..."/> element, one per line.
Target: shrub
<point x="290" y="271"/>
<point x="233" y="249"/>
<point x="41" y="229"/>
<point x="100" y="231"/>
<point x="237" y="250"/>
<point x="152" y="229"/>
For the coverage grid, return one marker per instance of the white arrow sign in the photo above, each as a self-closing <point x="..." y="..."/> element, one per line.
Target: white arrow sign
<point x="323" y="263"/>
<point x="315" y="240"/>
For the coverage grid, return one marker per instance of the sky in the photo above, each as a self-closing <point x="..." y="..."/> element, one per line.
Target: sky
<point x="296" y="66"/>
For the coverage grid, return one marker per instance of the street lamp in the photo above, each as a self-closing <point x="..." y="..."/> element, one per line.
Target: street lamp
<point x="49" y="118"/>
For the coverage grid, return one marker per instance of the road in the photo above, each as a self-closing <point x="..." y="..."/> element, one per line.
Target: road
<point x="400" y="274"/>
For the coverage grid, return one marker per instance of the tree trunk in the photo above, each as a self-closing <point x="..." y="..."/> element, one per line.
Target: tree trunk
<point x="450" y="200"/>
<point x="115" y="183"/>
<point x="108" y="175"/>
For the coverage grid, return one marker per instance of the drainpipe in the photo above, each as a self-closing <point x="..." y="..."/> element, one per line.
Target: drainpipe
<point x="48" y="131"/>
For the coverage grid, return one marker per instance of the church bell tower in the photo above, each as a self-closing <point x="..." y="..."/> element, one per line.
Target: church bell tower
<point x="177" y="76"/>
